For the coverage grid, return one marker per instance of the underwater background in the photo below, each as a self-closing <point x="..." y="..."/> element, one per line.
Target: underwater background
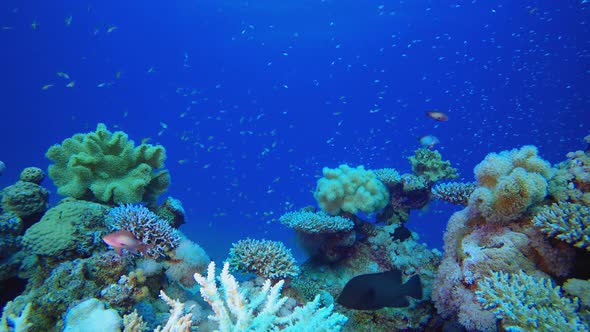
<point x="251" y="99"/>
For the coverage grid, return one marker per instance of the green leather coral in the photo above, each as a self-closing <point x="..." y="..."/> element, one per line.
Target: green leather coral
<point x="108" y="167"/>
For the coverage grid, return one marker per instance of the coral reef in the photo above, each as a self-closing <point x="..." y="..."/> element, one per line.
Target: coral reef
<point x="263" y="311"/>
<point x="453" y="192"/>
<point x="91" y="316"/>
<point x="526" y="303"/>
<point x="186" y="260"/>
<point x="571" y="181"/>
<point x="350" y="190"/>
<point x="172" y="211"/>
<point x="428" y="164"/>
<point x="267" y="259"/>
<point x="156" y="233"/>
<point x="569" y="222"/>
<point x="108" y="167"/>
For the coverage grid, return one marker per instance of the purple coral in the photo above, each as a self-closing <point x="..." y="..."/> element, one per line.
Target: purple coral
<point x="146" y="227"/>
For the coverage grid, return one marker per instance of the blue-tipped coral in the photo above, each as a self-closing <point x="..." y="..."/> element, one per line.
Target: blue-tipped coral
<point x="453" y="192"/>
<point x="152" y="231"/>
<point x="569" y="222"/>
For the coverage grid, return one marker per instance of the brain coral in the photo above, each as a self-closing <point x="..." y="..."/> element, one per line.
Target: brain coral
<point x="350" y="190"/>
<point x="63" y="230"/>
<point x="107" y="167"/>
<point x="268" y="259"/>
<point x="509" y="183"/>
<point x="24" y="199"/>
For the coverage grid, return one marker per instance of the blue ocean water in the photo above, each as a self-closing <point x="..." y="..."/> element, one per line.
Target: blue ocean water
<point x="252" y="98"/>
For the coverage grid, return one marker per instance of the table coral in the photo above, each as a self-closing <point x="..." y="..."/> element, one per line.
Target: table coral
<point x="108" y="167"/>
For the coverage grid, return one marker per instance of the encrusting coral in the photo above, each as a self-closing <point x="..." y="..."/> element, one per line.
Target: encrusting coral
<point x="108" y="167"/>
<point x="267" y="259"/>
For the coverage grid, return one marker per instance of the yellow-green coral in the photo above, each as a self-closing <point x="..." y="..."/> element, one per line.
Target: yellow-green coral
<point x="526" y="303"/>
<point x="569" y="222"/>
<point x="350" y="190"/>
<point x="429" y="165"/>
<point x="107" y="167"/>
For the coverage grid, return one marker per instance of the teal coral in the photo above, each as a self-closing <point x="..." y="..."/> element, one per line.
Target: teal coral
<point x="429" y="165"/>
<point x="389" y="176"/>
<point x="267" y="259"/>
<point x="24" y="199"/>
<point x="569" y="222"/>
<point x="107" y="167"/>
<point x="526" y="303"/>
<point x="350" y="190"/>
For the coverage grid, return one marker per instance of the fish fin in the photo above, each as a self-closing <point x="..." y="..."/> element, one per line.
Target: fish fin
<point x="413" y="287"/>
<point x="118" y="251"/>
<point x="398" y="302"/>
<point x="143" y="248"/>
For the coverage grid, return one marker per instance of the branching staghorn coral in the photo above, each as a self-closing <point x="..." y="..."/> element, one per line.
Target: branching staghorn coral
<point x="569" y="222"/>
<point x="267" y="259"/>
<point x="262" y="311"/>
<point x="178" y="321"/>
<point x="526" y="303"/>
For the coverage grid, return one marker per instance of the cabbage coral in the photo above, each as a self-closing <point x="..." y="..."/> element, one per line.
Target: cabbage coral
<point x="108" y="167"/>
<point x="509" y="183"/>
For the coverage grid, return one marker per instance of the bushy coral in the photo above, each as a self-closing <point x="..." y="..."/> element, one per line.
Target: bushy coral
<point x="569" y="222"/>
<point x="156" y="233"/>
<point x="526" y="303"/>
<point x="571" y="181"/>
<point x="350" y="190"/>
<point x="429" y="165"/>
<point x="262" y="311"/>
<point x="108" y="167"/>
<point x="312" y="222"/>
<point x="267" y="259"/>
<point x="91" y="316"/>
<point x="509" y="183"/>
<point x="453" y="192"/>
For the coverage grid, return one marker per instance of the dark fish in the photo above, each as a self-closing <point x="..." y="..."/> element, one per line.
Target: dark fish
<point x="378" y="290"/>
<point x="401" y="233"/>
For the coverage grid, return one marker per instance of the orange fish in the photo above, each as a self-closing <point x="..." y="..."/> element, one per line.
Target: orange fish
<point x="123" y="239"/>
<point x="438" y="116"/>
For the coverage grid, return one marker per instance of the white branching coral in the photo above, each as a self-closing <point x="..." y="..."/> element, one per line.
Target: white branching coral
<point x="178" y="321"/>
<point x="260" y="312"/>
<point x="15" y="322"/>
